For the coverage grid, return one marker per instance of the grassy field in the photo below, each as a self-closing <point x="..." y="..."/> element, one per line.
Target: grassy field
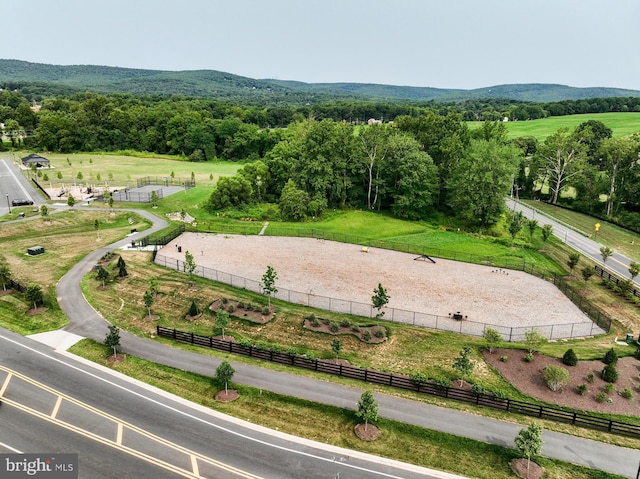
<point x="622" y="124"/>
<point x="334" y="425"/>
<point x="121" y="170"/>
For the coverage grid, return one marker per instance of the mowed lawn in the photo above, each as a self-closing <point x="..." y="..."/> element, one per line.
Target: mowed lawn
<point x="622" y="124"/>
<point x="124" y="170"/>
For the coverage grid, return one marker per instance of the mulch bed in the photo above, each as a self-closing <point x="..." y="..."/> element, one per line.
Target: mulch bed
<point x="324" y="326"/>
<point x="368" y="433"/>
<point x="227" y="396"/>
<point x="244" y="313"/>
<point x="34" y="311"/>
<point x="519" y="466"/>
<point x="527" y="377"/>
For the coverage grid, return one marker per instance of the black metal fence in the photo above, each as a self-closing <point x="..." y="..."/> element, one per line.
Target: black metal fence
<point x="166" y="181"/>
<point x="415" y="318"/>
<point x="615" y="280"/>
<point x="598" y="316"/>
<point x="404" y="382"/>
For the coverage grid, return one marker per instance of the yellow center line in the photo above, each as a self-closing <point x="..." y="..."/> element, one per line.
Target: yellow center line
<point x="54" y="413"/>
<point x="121" y="425"/>
<point x="6" y="383"/>
<point x="194" y="466"/>
<point x="119" y="434"/>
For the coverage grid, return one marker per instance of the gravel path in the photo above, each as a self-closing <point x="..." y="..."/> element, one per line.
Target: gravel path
<point x="338" y="270"/>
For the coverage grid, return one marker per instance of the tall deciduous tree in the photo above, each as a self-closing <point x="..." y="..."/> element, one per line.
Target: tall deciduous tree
<point x="5" y="273"/>
<point x="293" y="202"/>
<point x="373" y="144"/>
<point x="562" y="157"/>
<point x="619" y="156"/>
<point x="482" y="179"/>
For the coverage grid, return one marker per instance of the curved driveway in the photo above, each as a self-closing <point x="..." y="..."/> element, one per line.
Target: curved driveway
<point x="87" y="322"/>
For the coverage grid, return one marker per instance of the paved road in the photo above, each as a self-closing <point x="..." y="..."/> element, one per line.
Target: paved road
<point x="85" y="321"/>
<point x="13" y="184"/>
<point x="616" y="263"/>
<point x="55" y="402"/>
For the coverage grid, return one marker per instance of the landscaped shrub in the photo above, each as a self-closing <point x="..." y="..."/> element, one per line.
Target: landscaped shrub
<point x="355" y="328"/>
<point x="610" y="373"/>
<point x="626" y="393"/>
<point x="570" y="358"/>
<point x="590" y="378"/>
<point x="609" y="388"/>
<point x="611" y="357"/>
<point x="345" y="323"/>
<point x="248" y="307"/>
<point x="193" y="309"/>
<point x="637" y="353"/>
<point x="555" y="377"/>
<point x="379" y="333"/>
<point x="241" y="305"/>
<point x="442" y="382"/>
<point x="504" y="358"/>
<point x="601" y="396"/>
<point x="224" y="300"/>
<point x="334" y="327"/>
<point x="582" y="389"/>
<point x="315" y="322"/>
<point x="478" y="390"/>
<point x="266" y="311"/>
<point x="529" y="357"/>
<point x="231" y="309"/>
<point x="419" y="378"/>
<point x="366" y="335"/>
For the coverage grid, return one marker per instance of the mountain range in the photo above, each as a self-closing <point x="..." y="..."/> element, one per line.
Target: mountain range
<point x="40" y="79"/>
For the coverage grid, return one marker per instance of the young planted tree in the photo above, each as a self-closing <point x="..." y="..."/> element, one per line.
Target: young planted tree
<point x="44" y="211"/>
<point x="529" y="442"/>
<point x="189" y="265"/>
<point x="336" y="346"/>
<point x="534" y="340"/>
<point x="224" y="374"/>
<point x="152" y="284"/>
<point x="222" y="320"/>
<point x="148" y="301"/>
<point x="102" y="275"/>
<point x="112" y="340"/>
<point x="193" y="309"/>
<point x="96" y="226"/>
<point x="122" y="267"/>
<point x="71" y="200"/>
<point x="587" y="272"/>
<point x="463" y="364"/>
<point x="33" y="295"/>
<point x="532" y="225"/>
<point x="5" y="273"/>
<point x="605" y="252"/>
<point x="379" y="300"/>
<point x="547" y="230"/>
<point x="572" y="262"/>
<point x="516" y="225"/>
<point x="269" y="283"/>
<point x="493" y="338"/>
<point x="154" y="199"/>
<point x="367" y="408"/>
<point x="634" y="269"/>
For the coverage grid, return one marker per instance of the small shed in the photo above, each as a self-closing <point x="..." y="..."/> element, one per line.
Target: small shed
<point x="35" y="250"/>
<point x="33" y="158"/>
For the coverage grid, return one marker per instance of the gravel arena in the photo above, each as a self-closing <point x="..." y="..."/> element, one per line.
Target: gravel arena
<point x="420" y="291"/>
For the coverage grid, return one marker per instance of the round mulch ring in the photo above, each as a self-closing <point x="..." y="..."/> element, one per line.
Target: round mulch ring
<point x="519" y="466"/>
<point x="366" y="433"/>
<point x="227" y="396"/>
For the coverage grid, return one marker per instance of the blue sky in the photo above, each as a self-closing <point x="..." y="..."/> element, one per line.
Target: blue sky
<point x="438" y="43"/>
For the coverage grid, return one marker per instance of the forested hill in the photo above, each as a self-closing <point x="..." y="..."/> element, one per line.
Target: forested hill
<point x="38" y="80"/>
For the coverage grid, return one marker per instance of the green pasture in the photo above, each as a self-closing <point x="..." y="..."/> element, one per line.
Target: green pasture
<point x="124" y="170"/>
<point x="622" y="124"/>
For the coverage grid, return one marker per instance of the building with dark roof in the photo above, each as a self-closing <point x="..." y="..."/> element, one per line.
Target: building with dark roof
<point x="33" y="158"/>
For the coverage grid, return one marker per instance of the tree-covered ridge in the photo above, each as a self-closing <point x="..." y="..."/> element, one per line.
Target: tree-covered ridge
<point x="216" y="84"/>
